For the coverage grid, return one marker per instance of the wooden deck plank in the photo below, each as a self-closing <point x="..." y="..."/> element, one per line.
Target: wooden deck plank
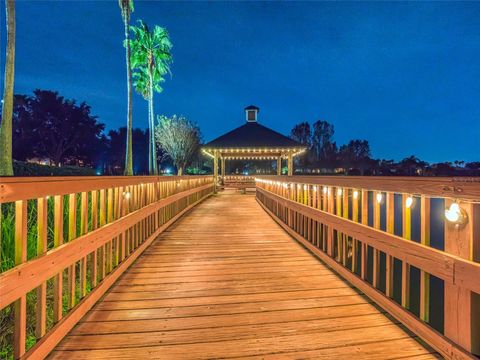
<point x="227" y="281"/>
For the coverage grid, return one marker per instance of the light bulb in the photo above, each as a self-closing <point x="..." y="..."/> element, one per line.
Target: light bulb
<point x="315" y="189"/>
<point x="325" y="189"/>
<point x="379" y="197"/>
<point x="455" y="214"/>
<point x="339" y="192"/>
<point x="305" y="187"/>
<point x="409" y="202"/>
<point x="355" y="194"/>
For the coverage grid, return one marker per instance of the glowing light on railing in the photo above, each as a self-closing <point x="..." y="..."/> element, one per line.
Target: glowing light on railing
<point x="455" y="214"/>
<point x="315" y="188"/>
<point x="355" y="194"/>
<point x="379" y="197"/>
<point x="339" y="192"/>
<point x="409" y="202"/>
<point x="298" y="186"/>
<point x="325" y="189"/>
<point x="305" y="187"/>
<point x="126" y="195"/>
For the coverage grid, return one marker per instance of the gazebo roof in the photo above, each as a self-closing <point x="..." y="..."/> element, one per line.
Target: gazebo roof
<point x="251" y="135"/>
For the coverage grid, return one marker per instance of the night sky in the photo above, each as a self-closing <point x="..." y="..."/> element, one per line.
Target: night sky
<point x="405" y="76"/>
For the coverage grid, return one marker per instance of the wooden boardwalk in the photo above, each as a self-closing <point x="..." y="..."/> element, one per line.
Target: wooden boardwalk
<point x="227" y="282"/>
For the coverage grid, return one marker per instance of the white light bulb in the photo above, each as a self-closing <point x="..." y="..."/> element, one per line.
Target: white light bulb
<point x="339" y="192"/>
<point x="455" y="214"/>
<point x="379" y="197"/>
<point x="325" y="189"/>
<point x="355" y="194"/>
<point x="409" y="202"/>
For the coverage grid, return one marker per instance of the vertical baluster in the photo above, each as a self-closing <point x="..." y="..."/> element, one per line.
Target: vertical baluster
<point x="406" y="230"/>
<point x="72" y="234"/>
<point x="364" y="222"/>
<point x="330" y="209"/>
<point x="345" y="215"/>
<point x="42" y="227"/>
<point x="355" y="195"/>
<point x="57" y="241"/>
<point x="110" y="215"/>
<point x="424" y="276"/>
<point x="390" y="229"/>
<point x="103" y="220"/>
<point x="376" y="253"/>
<point x="338" y="197"/>
<point x="20" y="305"/>
<point x="83" y="230"/>
<point x="94" y="214"/>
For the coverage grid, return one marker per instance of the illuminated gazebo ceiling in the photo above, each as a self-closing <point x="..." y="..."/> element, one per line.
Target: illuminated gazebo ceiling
<point x="253" y="141"/>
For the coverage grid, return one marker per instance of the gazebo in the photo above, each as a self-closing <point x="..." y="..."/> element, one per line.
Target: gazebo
<point x="252" y="141"/>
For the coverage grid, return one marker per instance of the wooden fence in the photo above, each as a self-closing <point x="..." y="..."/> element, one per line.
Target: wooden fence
<point x="87" y="232"/>
<point x="381" y="234"/>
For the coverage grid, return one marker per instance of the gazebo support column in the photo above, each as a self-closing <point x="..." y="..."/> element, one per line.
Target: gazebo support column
<point x="279" y="165"/>
<point x="215" y="169"/>
<point x="290" y="164"/>
<point x="223" y="167"/>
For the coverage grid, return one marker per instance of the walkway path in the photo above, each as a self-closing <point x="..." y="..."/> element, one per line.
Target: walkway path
<point x="227" y="282"/>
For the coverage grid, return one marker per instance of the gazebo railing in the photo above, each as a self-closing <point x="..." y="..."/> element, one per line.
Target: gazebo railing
<point x="65" y="241"/>
<point x="412" y="245"/>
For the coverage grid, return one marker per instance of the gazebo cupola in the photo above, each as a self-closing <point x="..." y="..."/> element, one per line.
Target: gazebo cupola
<point x="251" y="113"/>
<point x="252" y="141"/>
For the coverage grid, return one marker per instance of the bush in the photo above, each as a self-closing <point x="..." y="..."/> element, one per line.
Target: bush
<point x="21" y="168"/>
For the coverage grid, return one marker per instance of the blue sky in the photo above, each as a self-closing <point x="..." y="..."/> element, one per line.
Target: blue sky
<point x="403" y="75"/>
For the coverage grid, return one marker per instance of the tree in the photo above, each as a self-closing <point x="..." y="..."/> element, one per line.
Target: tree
<point x="116" y="150"/>
<point x="58" y="129"/>
<point x="151" y="59"/>
<point x="6" y="163"/>
<point x="179" y="138"/>
<point x="126" y="8"/>
<point x="301" y="133"/>
<point x="322" y="138"/>
<point x="412" y="166"/>
<point x="355" y="154"/>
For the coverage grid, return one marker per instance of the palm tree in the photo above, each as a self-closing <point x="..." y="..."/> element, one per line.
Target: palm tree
<point x="151" y="59"/>
<point x="6" y="166"/>
<point x="126" y="8"/>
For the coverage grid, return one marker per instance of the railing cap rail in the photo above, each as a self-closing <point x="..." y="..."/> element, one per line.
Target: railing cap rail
<point x="25" y="188"/>
<point x="466" y="188"/>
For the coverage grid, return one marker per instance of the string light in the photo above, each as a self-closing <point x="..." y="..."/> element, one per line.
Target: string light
<point x="325" y="189"/>
<point x="339" y="192"/>
<point x="455" y="214"/>
<point x="355" y="194"/>
<point x="409" y="202"/>
<point x="379" y="197"/>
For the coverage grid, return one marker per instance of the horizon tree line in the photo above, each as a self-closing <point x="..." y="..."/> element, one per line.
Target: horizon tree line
<point x="355" y="158"/>
<point x="49" y="128"/>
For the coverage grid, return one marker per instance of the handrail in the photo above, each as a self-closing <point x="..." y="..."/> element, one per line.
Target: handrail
<point x="87" y="231"/>
<point x="351" y="224"/>
<point x="467" y="188"/>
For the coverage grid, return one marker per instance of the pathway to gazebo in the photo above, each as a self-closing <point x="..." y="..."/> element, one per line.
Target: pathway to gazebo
<point x="245" y="290"/>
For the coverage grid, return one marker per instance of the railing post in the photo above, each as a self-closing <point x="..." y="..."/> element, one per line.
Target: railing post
<point x="462" y="306"/>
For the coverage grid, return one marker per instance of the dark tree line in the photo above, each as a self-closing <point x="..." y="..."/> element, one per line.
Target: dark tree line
<point x="50" y="129"/>
<point x="354" y="158"/>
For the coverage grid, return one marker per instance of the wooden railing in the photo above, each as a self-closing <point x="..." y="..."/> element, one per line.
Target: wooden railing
<point x="84" y="232"/>
<point x="389" y="238"/>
